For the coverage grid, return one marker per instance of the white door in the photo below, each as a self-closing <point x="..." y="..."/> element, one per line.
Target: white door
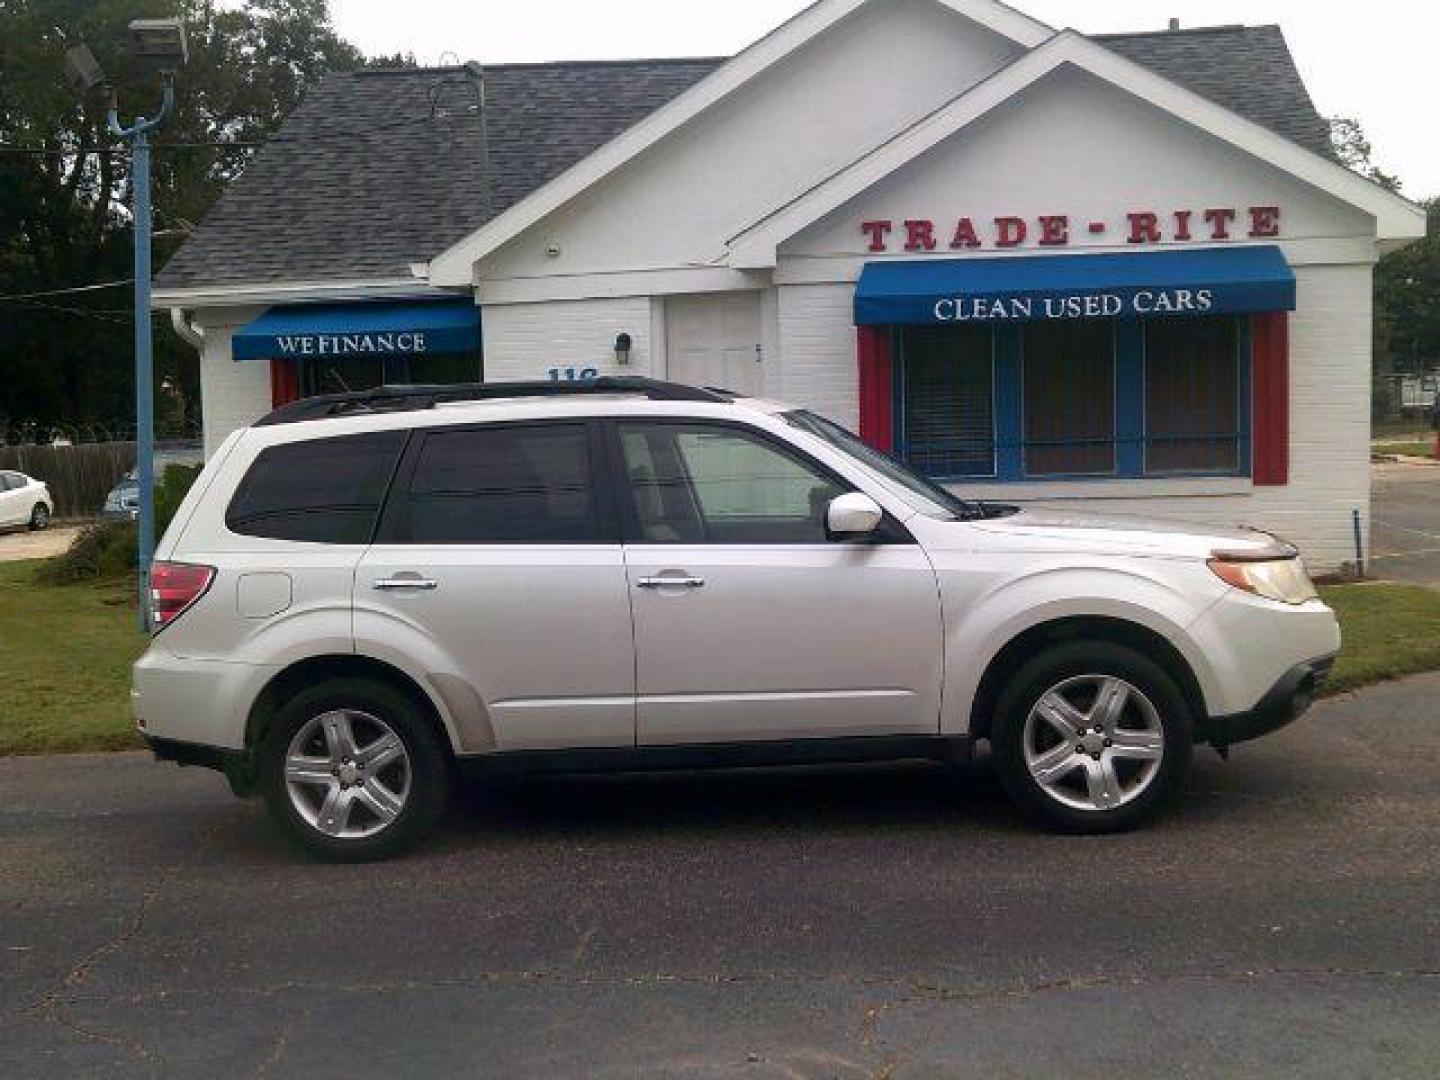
<point x="496" y="544"/>
<point x="714" y="340"/>
<point x="749" y="623"/>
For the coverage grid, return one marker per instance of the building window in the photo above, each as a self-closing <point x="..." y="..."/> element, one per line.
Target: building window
<point x="338" y="375"/>
<point x="1192" y="396"/>
<point x="1081" y="398"/>
<point x="947" y="401"/>
<point x="1069" y="395"/>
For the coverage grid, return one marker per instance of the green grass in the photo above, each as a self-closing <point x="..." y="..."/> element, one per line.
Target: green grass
<point x="66" y="650"/>
<point x="1417" y="425"/>
<point x="1390" y="631"/>
<point x="65" y="655"/>
<point x="1413" y="449"/>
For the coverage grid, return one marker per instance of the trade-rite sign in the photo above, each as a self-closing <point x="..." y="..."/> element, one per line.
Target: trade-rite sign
<point x="1055" y="230"/>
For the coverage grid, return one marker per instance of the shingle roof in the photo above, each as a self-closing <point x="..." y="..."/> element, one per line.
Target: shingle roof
<point x="366" y="177"/>
<point x="1246" y="69"/>
<point x="377" y="170"/>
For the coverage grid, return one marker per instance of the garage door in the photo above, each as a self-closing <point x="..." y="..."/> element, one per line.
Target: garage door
<point x="714" y="340"/>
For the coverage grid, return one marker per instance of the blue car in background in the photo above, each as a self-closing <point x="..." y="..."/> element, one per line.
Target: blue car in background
<point x="123" y="502"/>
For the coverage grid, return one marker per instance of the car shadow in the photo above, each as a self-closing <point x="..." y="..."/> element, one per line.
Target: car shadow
<point x="849" y="798"/>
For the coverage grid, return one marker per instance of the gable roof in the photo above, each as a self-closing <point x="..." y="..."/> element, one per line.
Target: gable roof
<point x="368" y="177"/>
<point x="1396" y="218"/>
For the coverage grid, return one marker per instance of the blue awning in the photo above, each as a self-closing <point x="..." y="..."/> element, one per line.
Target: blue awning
<point x="401" y="328"/>
<point x="1209" y="281"/>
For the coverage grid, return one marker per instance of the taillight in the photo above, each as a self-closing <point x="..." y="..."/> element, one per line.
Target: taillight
<point x="173" y="588"/>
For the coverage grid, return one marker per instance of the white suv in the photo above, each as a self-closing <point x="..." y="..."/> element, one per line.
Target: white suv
<point x="364" y="592"/>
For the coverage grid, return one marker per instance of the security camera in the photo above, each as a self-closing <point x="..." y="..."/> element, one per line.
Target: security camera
<point x="159" y="43"/>
<point x="83" y="70"/>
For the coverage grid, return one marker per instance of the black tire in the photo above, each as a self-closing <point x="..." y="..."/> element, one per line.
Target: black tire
<point x="39" y="517"/>
<point x="1077" y="661"/>
<point x="426" y="756"/>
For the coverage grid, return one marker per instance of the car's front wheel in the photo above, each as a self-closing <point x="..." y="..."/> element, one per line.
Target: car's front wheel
<point x="39" y="517"/>
<point x="1091" y="737"/>
<point x="353" y="771"/>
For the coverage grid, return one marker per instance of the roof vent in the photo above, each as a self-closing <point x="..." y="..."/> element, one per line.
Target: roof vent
<point x="1174" y="24"/>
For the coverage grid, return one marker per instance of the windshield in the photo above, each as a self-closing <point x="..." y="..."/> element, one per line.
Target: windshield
<point x="924" y="495"/>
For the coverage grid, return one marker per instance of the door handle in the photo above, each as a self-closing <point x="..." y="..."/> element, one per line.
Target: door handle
<point x="418" y="584"/>
<point x="676" y="582"/>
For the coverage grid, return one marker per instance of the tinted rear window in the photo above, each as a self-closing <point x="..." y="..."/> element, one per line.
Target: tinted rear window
<point x="515" y="484"/>
<point x="325" y="491"/>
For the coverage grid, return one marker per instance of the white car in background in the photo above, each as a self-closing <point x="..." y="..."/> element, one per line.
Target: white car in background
<point x="24" y="501"/>
<point x="363" y="592"/>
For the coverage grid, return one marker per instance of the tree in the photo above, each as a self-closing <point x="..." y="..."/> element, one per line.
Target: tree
<point x="1355" y="152"/>
<point x="64" y="184"/>
<point x="1407" y="282"/>
<point x="1407" y="303"/>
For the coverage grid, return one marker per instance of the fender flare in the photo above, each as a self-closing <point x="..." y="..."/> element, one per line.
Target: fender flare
<point x="1024" y="605"/>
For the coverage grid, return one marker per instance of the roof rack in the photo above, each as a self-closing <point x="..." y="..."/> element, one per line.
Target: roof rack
<point x="414" y="398"/>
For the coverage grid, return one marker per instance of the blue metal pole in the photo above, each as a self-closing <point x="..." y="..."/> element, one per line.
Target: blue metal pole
<point x="144" y="368"/>
<point x="1359" y="543"/>
<point x="144" y="346"/>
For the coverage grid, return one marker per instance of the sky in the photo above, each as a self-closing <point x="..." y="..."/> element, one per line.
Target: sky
<point x="1375" y="67"/>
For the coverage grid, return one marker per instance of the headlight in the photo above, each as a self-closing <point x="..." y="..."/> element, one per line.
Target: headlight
<point x="1284" y="580"/>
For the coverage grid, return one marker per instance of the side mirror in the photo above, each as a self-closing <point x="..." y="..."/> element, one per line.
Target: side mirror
<point x="852" y="516"/>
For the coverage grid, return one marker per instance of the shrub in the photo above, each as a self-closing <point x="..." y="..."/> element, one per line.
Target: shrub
<point x="108" y="549"/>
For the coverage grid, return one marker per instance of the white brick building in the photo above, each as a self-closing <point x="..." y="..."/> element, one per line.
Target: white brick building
<point x="1181" y="323"/>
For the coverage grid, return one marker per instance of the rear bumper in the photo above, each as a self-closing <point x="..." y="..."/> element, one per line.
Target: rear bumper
<point x="237" y="765"/>
<point x="1286" y="701"/>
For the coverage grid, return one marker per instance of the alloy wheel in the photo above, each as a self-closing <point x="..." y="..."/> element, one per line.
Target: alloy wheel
<point x="1093" y="742"/>
<point x="348" y="774"/>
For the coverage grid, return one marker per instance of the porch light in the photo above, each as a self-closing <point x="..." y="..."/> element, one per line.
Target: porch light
<point x="623" y="344"/>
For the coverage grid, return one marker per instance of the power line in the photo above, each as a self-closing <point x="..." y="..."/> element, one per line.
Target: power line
<point x="69" y="291"/>
<point x="89" y="313"/>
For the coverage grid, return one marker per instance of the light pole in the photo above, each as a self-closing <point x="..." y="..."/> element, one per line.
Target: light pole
<point x="159" y="43"/>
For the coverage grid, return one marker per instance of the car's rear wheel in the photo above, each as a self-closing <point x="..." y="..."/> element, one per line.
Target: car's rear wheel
<point x="352" y="770"/>
<point x="39" y="517"/>
<point x="1091" y="737"/>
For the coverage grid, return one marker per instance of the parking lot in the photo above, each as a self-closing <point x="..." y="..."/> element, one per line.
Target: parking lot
<point x="1285" y="920"/>
<point x="1406" y="523"/>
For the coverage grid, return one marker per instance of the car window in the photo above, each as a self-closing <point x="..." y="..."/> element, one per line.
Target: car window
<point x="510" y="484"/>
<point x="712" y="484"/>
<point x="325" y="491"/>
<point x="10" y="480"/>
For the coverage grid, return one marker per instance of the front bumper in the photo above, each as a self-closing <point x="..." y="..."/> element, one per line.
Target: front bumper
<point x="1286" y="701"/>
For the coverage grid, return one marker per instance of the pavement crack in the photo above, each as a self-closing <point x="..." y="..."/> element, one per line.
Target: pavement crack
<point x="52" y="1005"/>
<point x="277" y="1052"/>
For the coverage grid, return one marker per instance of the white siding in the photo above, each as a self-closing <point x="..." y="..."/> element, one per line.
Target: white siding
<point x="817" y="351"/>
<point x="874" y="74"/>
<point x="1071" y="145"/>
<point x="523" y="341"/>
<point x="232" y="395"/>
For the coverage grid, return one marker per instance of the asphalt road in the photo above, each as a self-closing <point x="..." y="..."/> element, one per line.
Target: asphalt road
<point x="1283" y="921"/>
<point x="1405" y="523"/>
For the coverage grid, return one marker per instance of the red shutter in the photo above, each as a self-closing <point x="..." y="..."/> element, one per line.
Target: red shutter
<point x="1270" y="397"/>
<point x="284" y="382"/>
<point x="876" y="414"/>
